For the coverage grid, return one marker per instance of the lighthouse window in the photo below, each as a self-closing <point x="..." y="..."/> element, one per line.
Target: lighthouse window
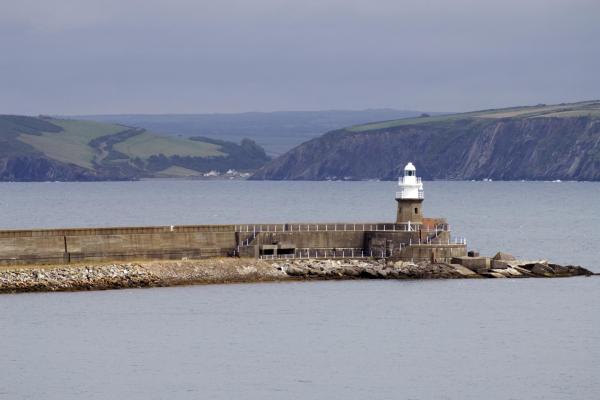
<point x="416" y="210"/>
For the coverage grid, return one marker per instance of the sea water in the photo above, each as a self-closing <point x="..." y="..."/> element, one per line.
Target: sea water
<point x="494" y="339"/>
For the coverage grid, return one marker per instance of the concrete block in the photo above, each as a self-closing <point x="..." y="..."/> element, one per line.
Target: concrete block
<point x="473" y="263"/>
<point x="504" y="256"/>
<point x="462" y="270"/>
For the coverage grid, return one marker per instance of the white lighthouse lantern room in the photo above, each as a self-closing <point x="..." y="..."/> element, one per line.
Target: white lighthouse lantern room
<point x="411" y="187"/>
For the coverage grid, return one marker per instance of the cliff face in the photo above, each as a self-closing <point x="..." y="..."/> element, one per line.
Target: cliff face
<point x="39" y="168"/>
<point x="532" y="148"/>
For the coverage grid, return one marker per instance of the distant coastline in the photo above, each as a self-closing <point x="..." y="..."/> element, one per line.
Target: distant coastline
<point x="534" y="143"/>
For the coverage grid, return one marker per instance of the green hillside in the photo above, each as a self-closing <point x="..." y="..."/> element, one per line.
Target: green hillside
<point x="581" y="109"/>
<point x="42" y="148"/>
<point x="71" y="143"/>
<point x="148" y="144"/>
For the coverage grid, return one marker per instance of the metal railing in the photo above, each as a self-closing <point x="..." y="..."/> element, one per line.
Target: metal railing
<point x="429" y="241"/>
<point x="348" y="253"/>
<point x="329" y="253"/>
<point x="347" y="227"/>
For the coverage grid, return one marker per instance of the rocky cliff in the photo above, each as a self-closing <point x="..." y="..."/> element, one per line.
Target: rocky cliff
<point x="543" y="143"/>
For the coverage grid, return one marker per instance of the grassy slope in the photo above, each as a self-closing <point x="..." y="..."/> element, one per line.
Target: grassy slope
<point x="586" y="108"/>
<point x="148" y="144"/>
<point x="177" y="172"/>
<point x="42" y="148"/>
<point x="71" y="145"/>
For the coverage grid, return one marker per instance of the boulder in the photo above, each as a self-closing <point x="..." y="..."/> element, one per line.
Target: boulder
<point x="514" y="272"/>
<point x="463" y="270"/>
<point x="351" y="271"/>
<point x="369" y="273"/>
<point x="542" y="269"/>
<point x="497" y="264"/>
<point x="522" y="271"/>
<point x="569" y="270"/>
<point x="295" y="271"/>
<point x="503" y="256"/>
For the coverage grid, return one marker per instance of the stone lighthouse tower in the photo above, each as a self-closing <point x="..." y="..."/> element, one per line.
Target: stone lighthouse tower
<point x="410" y="197"/>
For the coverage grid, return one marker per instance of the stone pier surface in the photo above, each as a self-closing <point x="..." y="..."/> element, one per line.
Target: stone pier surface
<point x="231" y="270"/>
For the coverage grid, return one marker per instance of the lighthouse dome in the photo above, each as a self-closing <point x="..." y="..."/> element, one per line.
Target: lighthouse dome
<point x="411" y="186"/>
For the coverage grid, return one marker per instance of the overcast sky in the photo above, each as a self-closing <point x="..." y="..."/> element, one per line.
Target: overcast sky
<point x="188" y="56"/>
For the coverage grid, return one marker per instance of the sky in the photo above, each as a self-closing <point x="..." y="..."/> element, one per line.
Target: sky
<point x="200" y="56"/>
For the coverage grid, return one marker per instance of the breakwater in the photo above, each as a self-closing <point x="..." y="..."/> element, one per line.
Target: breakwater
<point x="232" y="270"/>
<point x="430" y="240"/>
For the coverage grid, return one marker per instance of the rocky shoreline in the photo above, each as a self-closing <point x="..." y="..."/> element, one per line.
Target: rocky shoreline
<point x="231" y="270"/>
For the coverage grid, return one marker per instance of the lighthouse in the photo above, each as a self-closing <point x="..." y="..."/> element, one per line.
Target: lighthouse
<point x="410" y="197"/>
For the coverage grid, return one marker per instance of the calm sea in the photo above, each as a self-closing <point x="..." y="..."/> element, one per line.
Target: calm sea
<point x="493" y="339"/>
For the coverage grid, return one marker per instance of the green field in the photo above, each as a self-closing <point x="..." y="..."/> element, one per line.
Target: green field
<point x="148" y="144"/>
<point x="587" y="108"/>
<point x="177" y="172"/>
<point x="71" y="145"/>
<point x="44" y="148"/>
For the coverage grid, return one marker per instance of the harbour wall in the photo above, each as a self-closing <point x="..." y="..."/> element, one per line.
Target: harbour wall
<point x="57" y="246"/>
<point x="49" y="246"/>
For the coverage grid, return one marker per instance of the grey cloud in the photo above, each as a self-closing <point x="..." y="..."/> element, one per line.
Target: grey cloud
<point x="150" y="56"/>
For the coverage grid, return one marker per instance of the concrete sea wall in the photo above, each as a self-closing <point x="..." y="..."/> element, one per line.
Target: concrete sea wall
<point x="49" y="246"/>
<point x="56" y="246"/>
